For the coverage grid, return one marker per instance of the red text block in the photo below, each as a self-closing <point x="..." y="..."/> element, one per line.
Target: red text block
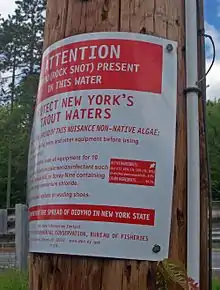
<point x="94" y="213"/>
<point x="132" y="172"/>
<point x="102" y="64"/>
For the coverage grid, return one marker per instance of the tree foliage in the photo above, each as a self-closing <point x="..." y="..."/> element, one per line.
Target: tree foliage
<point x="21" y="41"/>
<point x="213" y="130"/>
<point x="21" y="37"/>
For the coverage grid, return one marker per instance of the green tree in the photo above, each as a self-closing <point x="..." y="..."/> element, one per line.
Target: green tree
<point x="13" y="124"/>
<point x="3" y="154"/>
<point x="21" y="37"/>
<point x="32" y="14"/>
<point x="213" y="129"/>
<point x="21" y="40"/>
<point x="11" y="42"/>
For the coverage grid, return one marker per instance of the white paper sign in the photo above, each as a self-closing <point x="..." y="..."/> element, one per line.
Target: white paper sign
<point x="101" y="159"/>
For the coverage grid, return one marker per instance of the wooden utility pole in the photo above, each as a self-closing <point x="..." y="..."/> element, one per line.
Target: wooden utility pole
<point x="206" y="224"/>
<point x="156" y="17"/>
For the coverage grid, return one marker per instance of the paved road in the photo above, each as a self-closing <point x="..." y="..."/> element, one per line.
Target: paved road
<point x="7" y="260"/>
<point x="216" y="263"/>
<point x="216" y="259"/>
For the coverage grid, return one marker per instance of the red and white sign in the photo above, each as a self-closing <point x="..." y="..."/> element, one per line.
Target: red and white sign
<point x="132" y="172"/>
<point x="101" y="158"/>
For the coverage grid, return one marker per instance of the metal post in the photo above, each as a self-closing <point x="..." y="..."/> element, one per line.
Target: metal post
<point x="3" y="221"/>
<point x="21" y="236"/>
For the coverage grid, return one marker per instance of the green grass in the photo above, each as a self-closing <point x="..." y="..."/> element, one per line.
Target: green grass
<point x="13" y="280"/>
<point x="215" y="284"/>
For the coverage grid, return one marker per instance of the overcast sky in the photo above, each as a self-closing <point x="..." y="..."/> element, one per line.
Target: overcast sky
<point x="6" y="7"/>
<point x="212" y="27"/>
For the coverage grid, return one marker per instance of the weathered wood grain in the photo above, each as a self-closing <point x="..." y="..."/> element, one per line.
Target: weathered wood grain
<point x="164" y="18"/>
